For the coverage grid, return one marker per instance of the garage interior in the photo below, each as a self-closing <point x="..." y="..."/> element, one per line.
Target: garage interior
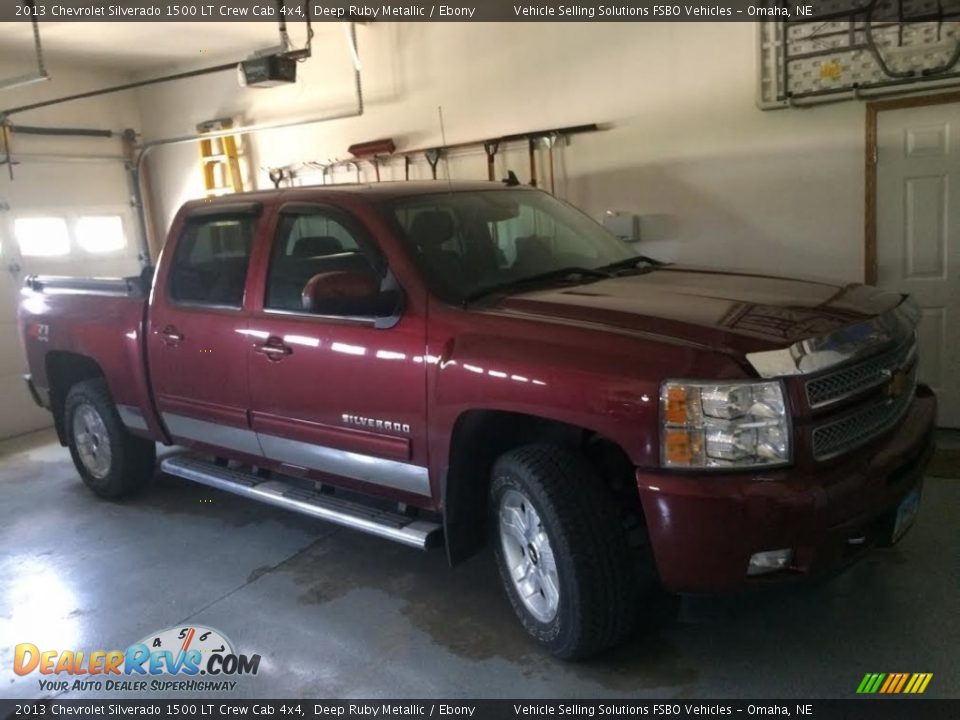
<point x="659" y="127"/>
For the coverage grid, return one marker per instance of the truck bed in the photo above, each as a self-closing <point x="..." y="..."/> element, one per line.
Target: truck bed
<point x="99" y="319"/>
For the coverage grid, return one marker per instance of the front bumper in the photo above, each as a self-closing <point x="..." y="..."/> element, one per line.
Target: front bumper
<point x="704" y="528"/>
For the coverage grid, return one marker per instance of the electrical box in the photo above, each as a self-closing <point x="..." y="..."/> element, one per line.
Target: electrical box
<point x="624" y="225"/>
<point x="267" y="71"/>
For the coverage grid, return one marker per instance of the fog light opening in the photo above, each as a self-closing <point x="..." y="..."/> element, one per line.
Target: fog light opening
<point x="769" y="561"/>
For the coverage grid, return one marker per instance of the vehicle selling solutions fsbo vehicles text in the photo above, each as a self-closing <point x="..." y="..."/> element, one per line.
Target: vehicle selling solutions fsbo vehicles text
<point x="652" y="11"/>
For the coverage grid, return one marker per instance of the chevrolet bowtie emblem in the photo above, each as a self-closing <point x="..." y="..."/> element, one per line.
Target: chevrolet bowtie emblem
<point x="897" y="384"/>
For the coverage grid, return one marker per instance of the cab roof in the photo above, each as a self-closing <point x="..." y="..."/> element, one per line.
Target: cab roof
<point x="386" y="190"/>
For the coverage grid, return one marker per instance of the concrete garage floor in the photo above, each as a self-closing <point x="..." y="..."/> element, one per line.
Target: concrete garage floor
<point x="336" y="614"/>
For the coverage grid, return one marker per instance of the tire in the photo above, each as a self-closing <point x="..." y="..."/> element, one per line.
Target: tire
<point x="112" y="462"/>
<point x="552" y="498"/>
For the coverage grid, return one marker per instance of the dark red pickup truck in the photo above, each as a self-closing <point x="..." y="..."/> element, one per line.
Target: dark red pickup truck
<point x="441" y="365"/>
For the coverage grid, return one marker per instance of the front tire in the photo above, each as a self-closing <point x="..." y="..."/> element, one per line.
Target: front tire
<point x="562" y="551"/>
<point x="112" y="462"/>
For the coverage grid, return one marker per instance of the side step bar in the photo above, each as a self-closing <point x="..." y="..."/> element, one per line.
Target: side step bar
<point x="391" y="526"/>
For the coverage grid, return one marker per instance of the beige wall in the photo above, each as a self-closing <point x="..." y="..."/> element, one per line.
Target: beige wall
<point x="732" y="186"/>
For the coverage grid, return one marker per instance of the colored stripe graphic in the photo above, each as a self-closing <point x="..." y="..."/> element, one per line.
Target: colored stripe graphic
<point x="894" y="683"/>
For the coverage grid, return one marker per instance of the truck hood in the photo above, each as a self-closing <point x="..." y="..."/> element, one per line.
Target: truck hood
<point x="731" y="312"/>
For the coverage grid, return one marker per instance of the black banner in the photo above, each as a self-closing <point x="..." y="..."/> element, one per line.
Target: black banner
<point x="203" y="709"/>
<point x="460" y="11"/>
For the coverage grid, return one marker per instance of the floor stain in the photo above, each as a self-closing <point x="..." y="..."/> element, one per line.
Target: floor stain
<point x="464" y="610"/>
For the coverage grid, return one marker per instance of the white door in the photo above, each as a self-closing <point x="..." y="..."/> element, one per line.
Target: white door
<point x="918" y="234"/>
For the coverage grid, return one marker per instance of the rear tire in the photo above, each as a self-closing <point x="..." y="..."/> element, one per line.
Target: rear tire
<point x="562" y="551"/>
<point x="112" y="462"/>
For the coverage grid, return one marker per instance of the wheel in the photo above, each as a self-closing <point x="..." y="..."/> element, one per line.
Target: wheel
<point x="111" y="461"/>
<point x="562" y="551"/>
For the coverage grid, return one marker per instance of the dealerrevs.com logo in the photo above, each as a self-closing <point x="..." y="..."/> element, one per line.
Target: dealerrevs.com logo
<point x="172" y="659"/>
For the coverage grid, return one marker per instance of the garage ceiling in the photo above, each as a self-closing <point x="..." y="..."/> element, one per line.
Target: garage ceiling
<point x="141" y="46"/>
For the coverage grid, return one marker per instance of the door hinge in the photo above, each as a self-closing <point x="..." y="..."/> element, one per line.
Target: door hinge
<point x="875" y="155"/>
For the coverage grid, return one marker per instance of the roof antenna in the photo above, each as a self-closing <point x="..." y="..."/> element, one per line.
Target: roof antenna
<point x="443" y="139"/>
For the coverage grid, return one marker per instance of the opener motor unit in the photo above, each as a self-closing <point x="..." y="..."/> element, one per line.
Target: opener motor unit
<point x="267" y="71"/>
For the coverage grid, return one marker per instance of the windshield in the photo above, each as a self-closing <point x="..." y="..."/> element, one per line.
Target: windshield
<point x="469" y="242"/>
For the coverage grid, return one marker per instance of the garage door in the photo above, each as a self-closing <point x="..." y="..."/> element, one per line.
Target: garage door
<point x="60" y="220"/>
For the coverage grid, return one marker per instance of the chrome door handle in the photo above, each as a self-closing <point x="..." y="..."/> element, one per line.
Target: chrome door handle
<point x="171" y="336"/>
<point x="273" y="348"/>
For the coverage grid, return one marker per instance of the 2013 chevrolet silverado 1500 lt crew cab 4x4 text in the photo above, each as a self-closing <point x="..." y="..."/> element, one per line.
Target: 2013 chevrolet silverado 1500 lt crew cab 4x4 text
<point x="450" y="364"/>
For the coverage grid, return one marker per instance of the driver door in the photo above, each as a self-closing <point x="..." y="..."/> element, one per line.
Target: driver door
<point x="338" y="397"/>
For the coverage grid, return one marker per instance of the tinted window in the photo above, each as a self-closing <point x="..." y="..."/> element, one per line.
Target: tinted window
<point x="312" y="243"/>
<point x="210" y="266"/>
<point x="464" y="242"/>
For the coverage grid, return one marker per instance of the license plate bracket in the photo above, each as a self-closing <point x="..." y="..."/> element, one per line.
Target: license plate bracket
<point x="906" y="514"/>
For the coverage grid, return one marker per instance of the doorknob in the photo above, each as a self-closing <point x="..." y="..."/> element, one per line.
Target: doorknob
<point x="171" y="336"/>
<point x="274" y="348"/>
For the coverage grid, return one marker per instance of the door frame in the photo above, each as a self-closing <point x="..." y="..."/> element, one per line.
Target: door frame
<point x="874" y="108"/>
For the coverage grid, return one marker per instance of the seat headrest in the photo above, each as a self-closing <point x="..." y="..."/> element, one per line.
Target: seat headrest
<point x="314" y="245"/>
<point x="431" y="228"/>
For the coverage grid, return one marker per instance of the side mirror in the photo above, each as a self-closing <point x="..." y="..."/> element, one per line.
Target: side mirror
<point x="341" y="292"/>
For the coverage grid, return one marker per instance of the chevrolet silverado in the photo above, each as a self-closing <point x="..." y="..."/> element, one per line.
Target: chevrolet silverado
<point x="445" y="364"/>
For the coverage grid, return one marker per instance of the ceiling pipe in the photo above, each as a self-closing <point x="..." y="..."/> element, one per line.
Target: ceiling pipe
<point x="119" y="88"/>
<point x="147" y="147"/>
<point x="63" y="157"/>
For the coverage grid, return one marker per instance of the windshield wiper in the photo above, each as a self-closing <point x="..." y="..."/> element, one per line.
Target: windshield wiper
<point x="631" y="262"/>
<point x="559" y="274"/>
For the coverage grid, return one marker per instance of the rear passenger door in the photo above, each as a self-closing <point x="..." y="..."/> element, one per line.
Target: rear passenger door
<point x="339" y="393"/>
<point x="198" y="347"/>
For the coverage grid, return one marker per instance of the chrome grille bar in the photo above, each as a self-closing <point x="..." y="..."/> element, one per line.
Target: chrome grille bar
<point x="858" y="428"/>
<point x="838" y="385"/>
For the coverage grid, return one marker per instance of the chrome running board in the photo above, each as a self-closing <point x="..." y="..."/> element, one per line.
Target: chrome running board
<point x="409" y="531"/>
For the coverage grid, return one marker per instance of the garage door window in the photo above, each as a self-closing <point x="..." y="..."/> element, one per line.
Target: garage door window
<point x="101" y="233"/>
<point x="42" y="236"/>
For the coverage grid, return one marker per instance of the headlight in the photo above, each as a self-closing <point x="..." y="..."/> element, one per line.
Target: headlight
<point x="723" y="425"/>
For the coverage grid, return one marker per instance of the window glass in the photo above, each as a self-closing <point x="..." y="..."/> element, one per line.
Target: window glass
<point x="42" y="236"/>
<point x="210" y="266"/>
<point x="465" y="242"/>
<point x="101" y="233"/>
<point x="313" y="243"/>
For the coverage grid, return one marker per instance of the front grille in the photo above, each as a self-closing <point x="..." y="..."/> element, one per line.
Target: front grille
<point x="839" y="436"/>
<point x="835" y="386"/>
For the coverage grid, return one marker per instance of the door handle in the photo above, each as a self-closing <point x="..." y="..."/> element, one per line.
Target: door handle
<point x="171" y="336"/>
<point x="274" y="348"/>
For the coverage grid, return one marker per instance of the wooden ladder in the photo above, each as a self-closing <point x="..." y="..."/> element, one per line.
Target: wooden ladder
<point x="220" y="159"/>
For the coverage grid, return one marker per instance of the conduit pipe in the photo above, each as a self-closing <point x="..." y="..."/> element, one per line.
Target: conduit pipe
<point x="64" y="157"/>
<point x="146" y="147"/>
<point x="119" y="88"/>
